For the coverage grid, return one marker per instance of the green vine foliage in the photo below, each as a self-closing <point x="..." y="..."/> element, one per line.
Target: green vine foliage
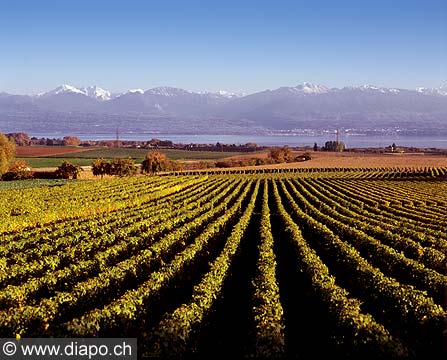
<point x="104" y="258"/>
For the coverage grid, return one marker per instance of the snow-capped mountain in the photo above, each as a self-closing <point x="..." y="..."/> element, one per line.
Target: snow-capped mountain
<point x="227" y="94"/>
<point x="303" y="89"/>
<point x="167" y="91"/>
<point x="317" y="106"/>
<point x="306" y="105"/>
<point x="310" y="88"/>
<point x="63" y="89"/>
<point x="98" y="93"/>
<point x="372" y="89"/>
<point x="441" y="91"/>
<point x="134" y="91"/>
<point x="221" y="94"/>
<point x="94" y="92"/>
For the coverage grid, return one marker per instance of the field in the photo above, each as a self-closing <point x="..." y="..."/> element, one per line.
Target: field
<point x="49" y="156"/>
<point x="289" y="264"/>
<point x="323" y="159"/>
<point x="32" y="183"/>
<point x="54" y="162"/>
<point x="36" y="151"/>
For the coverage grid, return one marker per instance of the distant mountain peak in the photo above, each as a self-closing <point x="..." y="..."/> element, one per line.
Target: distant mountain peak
<point x="163" y="109"/>
<point x="311" y="88"/>
<point x="228" y="94"/>
<point x="221" y="94"/>
<point x="305" y="88"/>
<point x="368" y="87"/>
<point x="373" y="88"/>
<point x="135" y="91"/>
<point x="167" y="91"/>
<point x="440" y="91"/>
<point x="94" y="92"/>
<point x="63" y="89"/>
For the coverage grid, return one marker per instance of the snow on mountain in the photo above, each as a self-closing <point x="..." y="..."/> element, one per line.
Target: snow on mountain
<point x="63" y="89"/>
<point x="93" y="92"/>
<point x="221" y="94"/>
<point x="96" y="92"/>
<point x="128" y="93"/>
<point x="228" y="94"/>
<point x="372" y="88"/>
<point x="367" y="87"/>
<point x="441" y="91"/>
<point x="306" y="88"/>
<point x="135" y="91"/>
<point x="306" y="105"/>
<point x="310" y="88"/>
<point x="167" y="91"/>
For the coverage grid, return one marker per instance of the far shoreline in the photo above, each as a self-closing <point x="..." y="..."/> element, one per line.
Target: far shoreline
<point x="297" y="140"/>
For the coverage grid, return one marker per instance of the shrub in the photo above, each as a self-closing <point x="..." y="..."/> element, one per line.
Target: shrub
<point x="280" y="155"/>
<point x="259" y="161"/>
<point x="101" y="167"/>
<point x="123" y="167"/>
<point x="154" y="161"/>
<point x="19" y="170"/>
<point x="224" y="164"/>
<point x="67" y="170"/>
<point x="71" y="141"/>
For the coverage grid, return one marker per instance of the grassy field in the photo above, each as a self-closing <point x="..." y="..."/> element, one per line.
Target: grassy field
<point x="139" y="154"/>
<point x="50" y="162"/>
<point x="45" y="157"/>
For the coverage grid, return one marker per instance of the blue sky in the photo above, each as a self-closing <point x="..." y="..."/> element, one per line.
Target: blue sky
<point x="242" y="46"/>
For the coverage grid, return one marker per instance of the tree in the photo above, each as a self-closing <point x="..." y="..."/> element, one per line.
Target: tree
<point x="7" y="153"/>
<point x="155" y="161"/>
<point x="281" y="154"/>
<point x="123" y="167"/>
<point x="67" y="170"/>
<point x="101" y="167"/>
<point x="71" y="141"/>
<point x="315" y="147"/>
<point x="20" y="138"/>
<point x="160" y="143"/>
<point x="337" y="146"/>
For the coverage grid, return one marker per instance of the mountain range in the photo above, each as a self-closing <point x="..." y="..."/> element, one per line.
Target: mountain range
<point x="70" y="109"/>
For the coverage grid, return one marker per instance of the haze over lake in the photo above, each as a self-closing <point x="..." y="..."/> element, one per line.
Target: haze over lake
<point x="351" y="141"/>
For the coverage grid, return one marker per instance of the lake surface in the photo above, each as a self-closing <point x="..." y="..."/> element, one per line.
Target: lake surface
<point x="351" y="141"/>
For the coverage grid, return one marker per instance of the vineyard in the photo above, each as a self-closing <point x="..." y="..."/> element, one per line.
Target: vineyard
<point x="281" y="264"/>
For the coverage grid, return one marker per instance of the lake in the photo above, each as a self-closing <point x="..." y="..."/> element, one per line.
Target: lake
<point x="351" y="141"/>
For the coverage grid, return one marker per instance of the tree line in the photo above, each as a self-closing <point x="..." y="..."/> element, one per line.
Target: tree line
<point x="153" y="162"/>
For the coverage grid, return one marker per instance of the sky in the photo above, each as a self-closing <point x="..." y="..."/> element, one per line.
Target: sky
<point x="238" y="46"/>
